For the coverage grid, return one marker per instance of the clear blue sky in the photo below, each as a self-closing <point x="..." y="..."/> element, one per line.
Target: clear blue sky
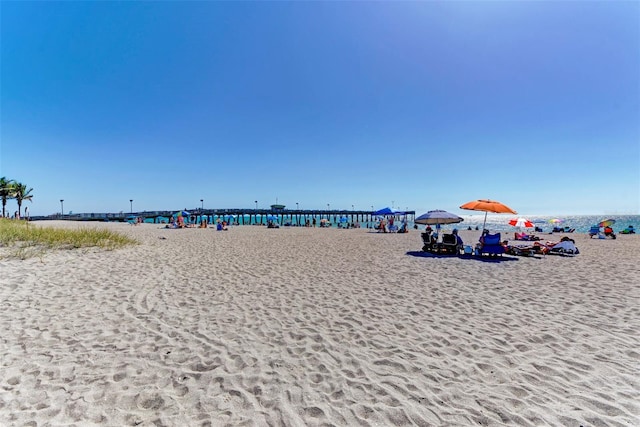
<point x="426" y="105"/>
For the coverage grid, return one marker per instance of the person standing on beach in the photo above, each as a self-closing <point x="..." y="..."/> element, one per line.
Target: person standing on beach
<point x="26" y="212"/>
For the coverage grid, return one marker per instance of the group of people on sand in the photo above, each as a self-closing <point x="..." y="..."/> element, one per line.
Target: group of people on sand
<point x="388" y="226"/>
<point x="564" y="245"/>
<point x="431" y="237"/>
<point x="179" y="222"/>
<point x="607" y="232"/>
<point x="445" y="244"/>
<point x="16" y="214"/>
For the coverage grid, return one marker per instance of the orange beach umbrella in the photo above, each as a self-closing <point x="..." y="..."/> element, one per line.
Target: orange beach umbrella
<point x="486" y="206"/>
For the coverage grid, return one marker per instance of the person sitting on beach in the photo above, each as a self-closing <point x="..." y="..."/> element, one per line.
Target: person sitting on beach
<point x="459" y="242"/>
<point x="432" y="234"/>
<point x="608" y="231"/>
<point x="628" y="230"/>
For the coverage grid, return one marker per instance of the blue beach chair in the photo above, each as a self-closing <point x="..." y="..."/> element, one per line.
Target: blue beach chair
<point x="491" y="244"/>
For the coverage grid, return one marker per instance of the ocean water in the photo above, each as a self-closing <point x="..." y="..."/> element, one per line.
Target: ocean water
<point x="581" y="223"/>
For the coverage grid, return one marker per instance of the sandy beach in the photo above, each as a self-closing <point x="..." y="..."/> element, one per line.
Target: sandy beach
<point x="318" y="327"/>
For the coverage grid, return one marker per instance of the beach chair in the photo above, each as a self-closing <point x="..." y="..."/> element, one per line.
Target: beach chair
<point x="594" y="230"/>
<point x="449" y="244"/>
<point x="429" y="242"/>
<point x="491" y="244"/>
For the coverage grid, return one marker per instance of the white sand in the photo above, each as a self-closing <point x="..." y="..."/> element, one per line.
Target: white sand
<point x="299" y="326"/>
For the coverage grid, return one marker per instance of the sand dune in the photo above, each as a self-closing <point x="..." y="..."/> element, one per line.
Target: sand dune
<point x="299" y="326"/>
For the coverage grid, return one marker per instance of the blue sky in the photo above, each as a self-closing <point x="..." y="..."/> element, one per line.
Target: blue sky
<point x="426" y="105"/>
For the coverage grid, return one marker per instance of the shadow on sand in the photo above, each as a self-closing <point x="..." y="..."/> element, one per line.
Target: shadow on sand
<point x="497" y="259"/>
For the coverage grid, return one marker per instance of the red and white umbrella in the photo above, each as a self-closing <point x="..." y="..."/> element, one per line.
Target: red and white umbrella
<point x="521" y="222"/>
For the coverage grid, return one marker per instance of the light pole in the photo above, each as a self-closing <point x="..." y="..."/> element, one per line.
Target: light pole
<point x="131" y="202"/>
<point x="62" y="207"/>
<point x="297" y="207"/>
<point x="201" y="205"/>
<point x="256" y="202"/>
<point x="353" y="208"/>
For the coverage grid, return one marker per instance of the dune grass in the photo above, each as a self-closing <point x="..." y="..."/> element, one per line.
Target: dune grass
<point x="24" y="239"/>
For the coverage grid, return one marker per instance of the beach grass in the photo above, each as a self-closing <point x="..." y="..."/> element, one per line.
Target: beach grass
<point x="25" y="240"/>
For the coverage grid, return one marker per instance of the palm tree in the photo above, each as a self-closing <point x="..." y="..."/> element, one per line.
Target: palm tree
<point x="21" y="193"/>
<point x="6" y="191"/>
